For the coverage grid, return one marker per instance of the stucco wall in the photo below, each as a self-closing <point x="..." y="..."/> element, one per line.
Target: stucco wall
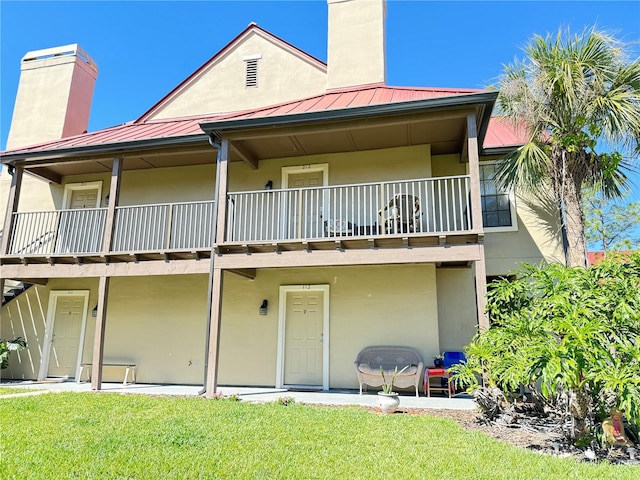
<point x="356" y="43"/>
<point x="221" y="88"/>
<point x="396" y="305"/>
<point x="36" y="195"/>
<point x="456" y="308"/>
<point x="400" y="163"/>
<point x="156" y="322"/>
<point x="26" y="317"/>
<point x="537" y="238"/>
<point x="53" y="99"/>
<point x="159" y="322"/>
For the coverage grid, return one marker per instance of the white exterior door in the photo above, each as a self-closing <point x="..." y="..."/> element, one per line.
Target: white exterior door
<point x="305" y="212"/>
<point x="83" y="199"/>
<point x="303" y="356"/>
<point x="77" y="231"/>
<point x="66" y="336"/>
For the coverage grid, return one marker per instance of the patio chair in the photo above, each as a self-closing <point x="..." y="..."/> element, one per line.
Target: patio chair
<point x="400" y="214"/>
<point x="445" y="385"/>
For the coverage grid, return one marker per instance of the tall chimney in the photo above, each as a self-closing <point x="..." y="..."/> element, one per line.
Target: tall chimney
<point x="54" y="95"/>
<point x="356" y="45"/>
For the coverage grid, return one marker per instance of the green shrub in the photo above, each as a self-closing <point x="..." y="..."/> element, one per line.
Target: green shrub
<point x="567" y="333"/>
<point x="8" y="346"/>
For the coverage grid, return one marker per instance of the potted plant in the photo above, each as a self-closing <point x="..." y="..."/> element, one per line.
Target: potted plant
<point x="438" y="361"/>
<point x="388" y="400"/>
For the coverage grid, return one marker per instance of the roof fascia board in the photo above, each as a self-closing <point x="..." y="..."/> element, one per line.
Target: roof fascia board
<point x="499" y="150"/>
<point x="486" y="98"/>
<point x="90" y="151"/>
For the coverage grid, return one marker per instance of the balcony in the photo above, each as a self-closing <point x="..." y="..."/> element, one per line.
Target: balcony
<point x="408" y="213"/>
<point x="145" y="230"/>
<point x="417" y="212"/>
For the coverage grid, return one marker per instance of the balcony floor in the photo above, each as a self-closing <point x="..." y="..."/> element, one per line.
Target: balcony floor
<point x="398" y="241"/>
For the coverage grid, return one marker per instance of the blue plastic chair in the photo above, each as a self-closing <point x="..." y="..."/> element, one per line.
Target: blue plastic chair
<point x="451" y="358"/>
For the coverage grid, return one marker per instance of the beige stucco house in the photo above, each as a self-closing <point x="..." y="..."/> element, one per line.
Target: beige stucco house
<point x="262" y="223"/>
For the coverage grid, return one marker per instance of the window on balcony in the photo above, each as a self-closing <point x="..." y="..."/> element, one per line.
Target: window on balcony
<point x="498" y="209"/>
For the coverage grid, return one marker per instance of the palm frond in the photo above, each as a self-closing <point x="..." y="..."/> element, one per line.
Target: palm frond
<point x="525" y="168"/>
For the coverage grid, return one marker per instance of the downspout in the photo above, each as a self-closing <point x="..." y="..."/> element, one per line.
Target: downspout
<point x="218" y="147"/>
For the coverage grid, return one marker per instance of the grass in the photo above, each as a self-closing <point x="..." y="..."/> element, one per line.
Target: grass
<point x="109" y="436"/>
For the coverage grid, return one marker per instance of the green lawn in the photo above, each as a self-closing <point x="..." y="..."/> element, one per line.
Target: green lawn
<point x="109" y="436"/>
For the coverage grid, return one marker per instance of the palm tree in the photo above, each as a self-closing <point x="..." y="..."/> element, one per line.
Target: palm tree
<point x="576" y="97"/>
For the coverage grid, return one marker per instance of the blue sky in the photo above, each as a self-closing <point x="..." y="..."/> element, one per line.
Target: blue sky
<point x="144" y="49"/>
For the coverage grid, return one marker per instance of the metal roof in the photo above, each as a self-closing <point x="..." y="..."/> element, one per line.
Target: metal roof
<point x="351" y="97"/>
<point x="188" y="129"/>
<point x="502" y="133"/>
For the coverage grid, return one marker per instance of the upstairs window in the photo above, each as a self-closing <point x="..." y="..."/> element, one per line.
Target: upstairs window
<point x="251" y="70"/>
<point x="497" y="207"/>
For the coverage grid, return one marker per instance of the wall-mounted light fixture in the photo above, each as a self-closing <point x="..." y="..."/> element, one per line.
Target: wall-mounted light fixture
<point x="94" y="312"/>
<point x="268" y="185"/>
<point x="106" y="200"/>
<point x="263" y="307"/>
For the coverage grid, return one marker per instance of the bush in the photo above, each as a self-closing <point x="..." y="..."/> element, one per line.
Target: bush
<point x="569" y="334"/>
<point x="8" y="346"/>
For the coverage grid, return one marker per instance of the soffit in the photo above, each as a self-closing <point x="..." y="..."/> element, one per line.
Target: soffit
<point x="445" y="135"/>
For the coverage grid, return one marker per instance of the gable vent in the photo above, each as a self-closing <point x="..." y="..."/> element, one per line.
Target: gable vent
<point x="251" y="79"/>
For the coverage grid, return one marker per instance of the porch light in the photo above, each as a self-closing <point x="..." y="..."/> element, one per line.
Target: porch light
<point x="94" y="312"/>
<point x="268" y="185"/>
<point x="263" y="307"/>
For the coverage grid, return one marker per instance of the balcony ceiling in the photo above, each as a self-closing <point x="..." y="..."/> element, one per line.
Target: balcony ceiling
<point x="199" y="155"/>
<point x="445" y="135"/>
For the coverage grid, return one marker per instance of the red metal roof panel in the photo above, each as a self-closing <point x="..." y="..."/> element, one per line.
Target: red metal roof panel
<point x="503" y="133"/>
<point x="499" y="133"/>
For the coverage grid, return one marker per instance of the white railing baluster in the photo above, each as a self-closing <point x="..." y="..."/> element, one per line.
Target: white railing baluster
<point x="255" y="216"/>
<point x="443" y="206"/>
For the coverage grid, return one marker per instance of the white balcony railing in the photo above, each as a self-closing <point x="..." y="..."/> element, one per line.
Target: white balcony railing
<point x="58" y="232"/>
<point x="430" y="206"/>
<point x="424" y="206"/>
<point x="166" y="226"/>
<point x="143" y="228"/>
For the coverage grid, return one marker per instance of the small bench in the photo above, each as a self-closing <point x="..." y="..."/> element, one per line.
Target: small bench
<point x="370" y="359"/>
<point x="130" y="368"/>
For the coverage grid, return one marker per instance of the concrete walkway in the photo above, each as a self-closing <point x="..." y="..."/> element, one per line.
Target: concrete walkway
<point x="257" y="394"/>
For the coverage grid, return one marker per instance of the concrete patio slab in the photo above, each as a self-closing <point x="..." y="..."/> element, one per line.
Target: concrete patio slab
<point x="257" y="394"/>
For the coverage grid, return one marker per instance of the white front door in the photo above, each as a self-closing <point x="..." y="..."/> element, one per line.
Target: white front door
<point x="305" y="209"/>
<point x="303" y="356"/>
<point x="76" y="230"/>
<point x="86" y="198"/>
<point x="66" y="336"/>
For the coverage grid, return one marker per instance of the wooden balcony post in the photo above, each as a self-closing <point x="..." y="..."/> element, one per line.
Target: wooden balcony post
<point x="12" y="207"/>
<point x="476" y="221"/>
<point x="474" y="173"/>
<point x="481" y="291"/>
<point x="98" y="340"/>
<point x="223" y="187"/>
<point x="114" y="197"/>
<point x="214" y="331"/>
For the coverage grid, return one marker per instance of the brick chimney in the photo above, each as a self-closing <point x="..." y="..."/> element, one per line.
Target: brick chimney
<point x="54" y="95"/>
<point x="356" y="43"/>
